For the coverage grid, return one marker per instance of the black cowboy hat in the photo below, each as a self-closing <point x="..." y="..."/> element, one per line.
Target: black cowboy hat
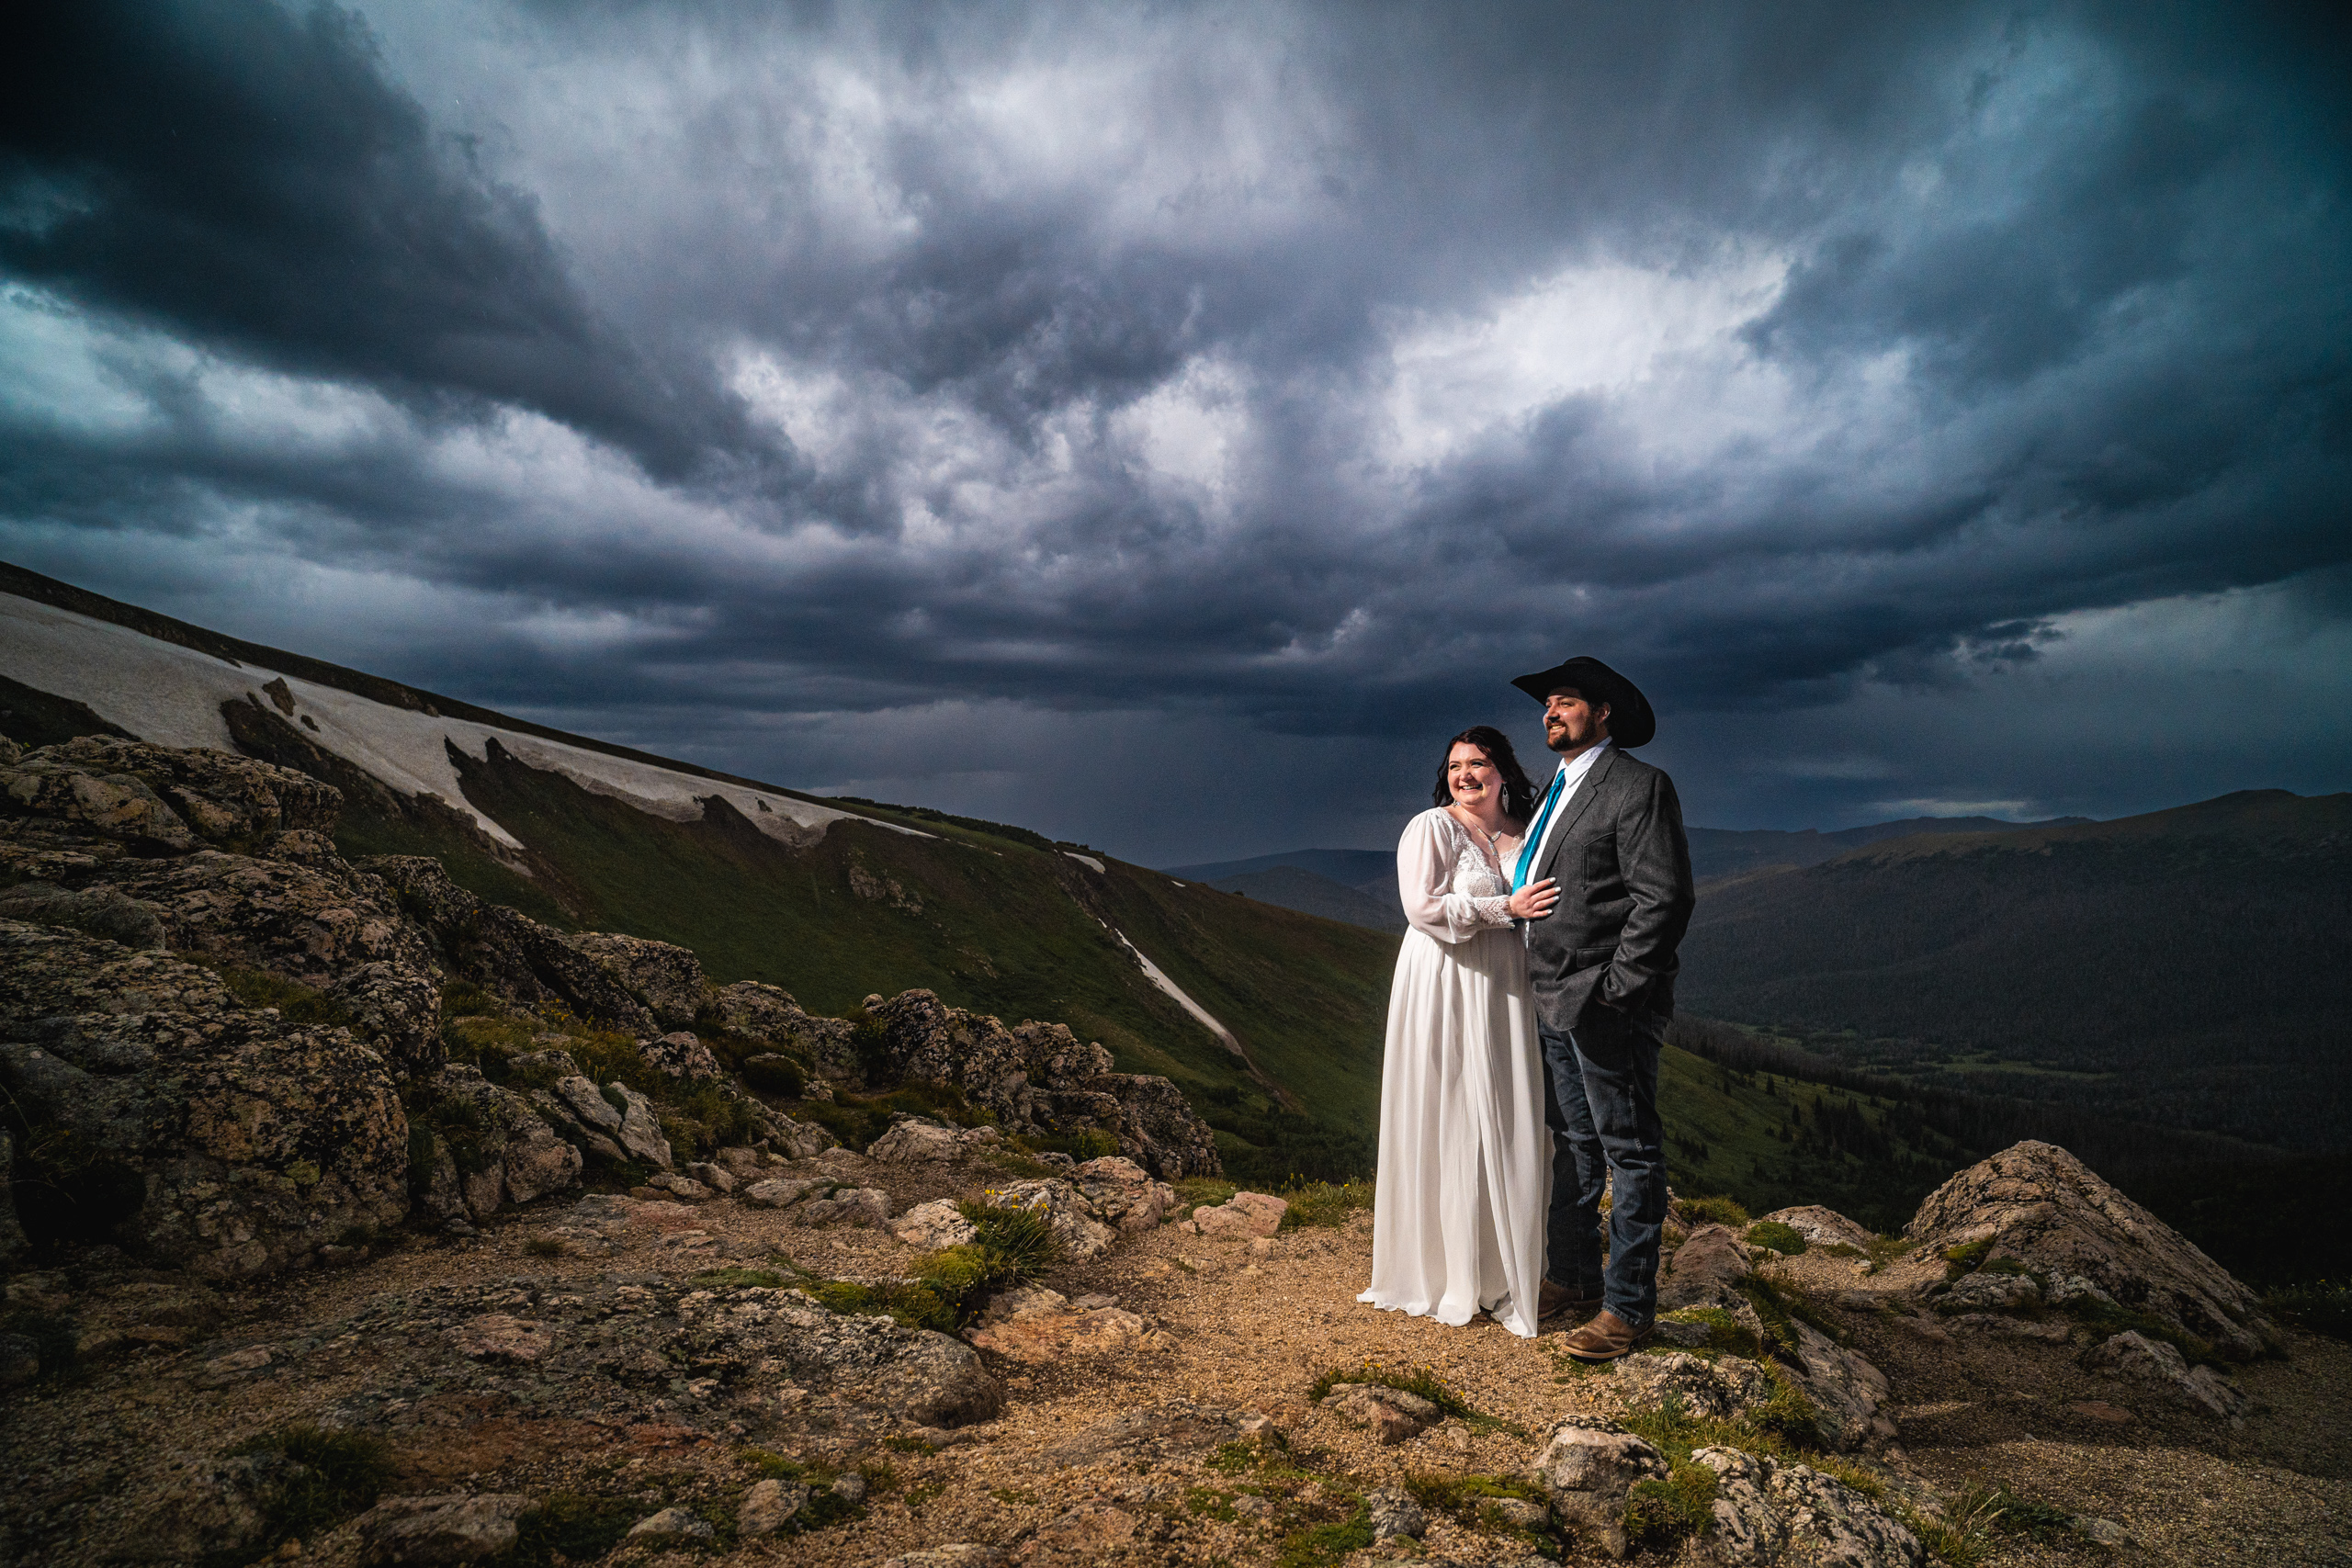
<point x="1631" y="722"/>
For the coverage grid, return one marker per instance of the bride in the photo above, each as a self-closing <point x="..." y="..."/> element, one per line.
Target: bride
<point x="1465" y="1162"/>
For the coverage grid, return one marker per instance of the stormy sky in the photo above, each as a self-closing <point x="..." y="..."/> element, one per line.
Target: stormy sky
<point x="1164" y="425"/>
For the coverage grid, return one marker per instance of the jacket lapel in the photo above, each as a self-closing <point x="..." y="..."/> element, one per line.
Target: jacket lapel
<point x="1573" y="811"/>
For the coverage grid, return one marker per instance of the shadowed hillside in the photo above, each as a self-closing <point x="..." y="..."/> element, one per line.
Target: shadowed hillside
<point x="2189" y="966"/>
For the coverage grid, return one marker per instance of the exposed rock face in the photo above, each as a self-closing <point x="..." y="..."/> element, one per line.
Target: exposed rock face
<point x="505" y="951"/>
<point x="1820" y="1226"/>
<point x="765" y="1012"/>
<point x="1082" y="1236"/>
<point x="164" y="797"/>
<point x="1769" y="1511"/>
<point x="2163" y="1371"/>
<point x="202" y="1134"/>
<point x="1041" y="1327"/>
<point x="915" y="1141"/>
<point x="508" y="1153"/>
<point x="1039" y="1078"/>
<point x="667" y="980"/>
<point x="2038" y="1203"/>
<point x="1718" y="1389"/>
<point x="598" y="1348"/>
<point x="1705" y="1272"/>
<point x="450" y="1528"/>
<point x="930" y="1226"/>
<point x="681" y="1055"/>
<point x="1122" y="1194"/>
<point x="1846" y="1389"/>
<point x="1159" y="1431"/>
<point x="1587" y="1470"/>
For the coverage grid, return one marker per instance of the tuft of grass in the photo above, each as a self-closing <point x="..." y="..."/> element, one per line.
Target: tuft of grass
<point x="1962" y="1261"/>
<point x="1022" y="1239"/>
<point x="1725" y="1334"/>
<point x="1885" y="1249"/>
<point x="339" y="1475"/>
<point x="1083" y="1145"/>
<point x="1659" y="1513"/>
<point x="1201" y="1192"/>
<point x="2321" y="1306"/>
<point x="775" y="1073"/>
<point x="544" y="1247"/>
<point x="1326" y="1545"/>
<point x="1774" y="1236"/>
<point x="903" y="1301"/>
<point x="763" y="1278"/>
<point x="1716" y="1211"/>
<point x="1324" y="1203"/>
<point x="1469" y="1500"/>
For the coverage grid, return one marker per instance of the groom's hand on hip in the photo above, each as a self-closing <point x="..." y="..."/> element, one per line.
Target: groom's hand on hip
<point x="1534" y="901"/>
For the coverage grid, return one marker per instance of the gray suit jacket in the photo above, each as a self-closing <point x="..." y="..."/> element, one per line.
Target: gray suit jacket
<point x="1624" y="868"/>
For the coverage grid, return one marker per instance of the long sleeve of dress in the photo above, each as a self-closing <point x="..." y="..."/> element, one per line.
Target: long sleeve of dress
<point x="1428" y="861"/>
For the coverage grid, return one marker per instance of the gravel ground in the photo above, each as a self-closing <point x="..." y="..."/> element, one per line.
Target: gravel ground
<point x="1246" y="1328"/>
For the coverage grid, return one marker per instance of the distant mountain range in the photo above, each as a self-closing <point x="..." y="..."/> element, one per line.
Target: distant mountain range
<point x="2192" y="966"/>
<point x="1359" y="885"/>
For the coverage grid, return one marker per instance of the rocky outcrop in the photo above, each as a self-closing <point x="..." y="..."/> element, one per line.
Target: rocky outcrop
<point x="666" y="980"/>
<point x="680" y="1054"/>
<point x="755" y="1011"/>
<point x="2040" y="1206"/>
<point x="164" y="797"/>
<point x="1243" y="1215"/>
<point x="1820" y="1226"/>
<point x="1769" y="1512"/>
<point x="1705" y="1272"/>
<point x="183" y="1126"/>
<point x="598" y="1348"/>
<point x="503" y="1146"/>
<point x="1037" y="1078"/>
<point x="504" y="950"/>
<point x="915" y="1140"/>
<point x="2161" y="1369"/>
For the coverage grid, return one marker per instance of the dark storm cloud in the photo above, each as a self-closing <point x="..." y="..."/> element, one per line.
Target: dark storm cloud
<point x="250" y="180"/>
<point x="1285" y="371"/>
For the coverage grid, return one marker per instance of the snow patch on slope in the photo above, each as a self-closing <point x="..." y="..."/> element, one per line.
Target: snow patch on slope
<point x="172" y="696"/>
<point x="1159" y="977"/>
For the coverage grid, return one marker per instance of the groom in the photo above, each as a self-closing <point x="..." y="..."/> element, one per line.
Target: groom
<point x="1601" y="965"/>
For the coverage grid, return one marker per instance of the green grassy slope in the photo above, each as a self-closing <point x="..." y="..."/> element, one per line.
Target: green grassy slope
<point x="989" y="922"/>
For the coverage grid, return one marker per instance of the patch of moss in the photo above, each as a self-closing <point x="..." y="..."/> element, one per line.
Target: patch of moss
<point x="1963" y="1260"/>
<point x="1774" y="1236"/>
<point x="1715" y="1211"/>
<point x="1725" y="1334"/>
<point x="1324" y="1545"/>
<point x="295" y="1002"/>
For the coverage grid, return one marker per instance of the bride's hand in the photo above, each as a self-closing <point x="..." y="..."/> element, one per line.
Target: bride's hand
<point x="1534" y="901"/>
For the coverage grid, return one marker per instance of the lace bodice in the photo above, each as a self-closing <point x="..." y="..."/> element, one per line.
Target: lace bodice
<point x="1448" y="886"/>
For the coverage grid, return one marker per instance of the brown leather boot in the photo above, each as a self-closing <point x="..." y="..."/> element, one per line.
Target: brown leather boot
<point x="1554" y="1299"/>
<point x="1605" y="1338"/>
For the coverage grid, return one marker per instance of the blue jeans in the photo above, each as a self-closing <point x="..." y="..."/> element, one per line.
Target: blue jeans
<point x="1600" y="1104"/>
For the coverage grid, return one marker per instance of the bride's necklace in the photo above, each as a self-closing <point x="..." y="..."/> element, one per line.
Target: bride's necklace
<point x="1493" y="850"/>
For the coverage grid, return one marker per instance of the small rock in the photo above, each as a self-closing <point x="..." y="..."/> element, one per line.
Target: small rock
<point x="1394" y="1514"/>
<point x="1392" y="1415"/>
<point x="683" y="1188"/>
<point x="775" y="1192"/>
<point x="1522" y="1513"/>
<point x="958" y="1554"/>
<point x="2158" y="1365"/>
<point x="235" y="1364"/>
<point x="498" y="1337"/>
<point x="1095" y="1302"/>
<point x="2100" y="1410"/>
<point x="1262" y="1430"/>
<point x="1587" y="1470"/>
<point x="671" y="1524"/>
<point x="933" y="1225"/>
<point x="714" y="1177"/>
<point x="1244" y="1215"/>
<point x="850" y="1488"/>
<point x="865" y="1206"/>
<point x="769" y="1506"/>
<point x="454" y="1529"/>
<point x="2106" y="1532"/>
<point x="641" y="1129"/>
<point x="1820" y="1226"/>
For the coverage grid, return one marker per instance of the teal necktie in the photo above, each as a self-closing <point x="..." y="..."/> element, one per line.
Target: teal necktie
<point x="1535" y="834"/>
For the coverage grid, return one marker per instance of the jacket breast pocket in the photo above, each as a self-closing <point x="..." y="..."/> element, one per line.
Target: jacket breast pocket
<point x="1601" y="860"/>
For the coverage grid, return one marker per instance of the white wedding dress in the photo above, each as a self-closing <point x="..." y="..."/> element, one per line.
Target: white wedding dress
<point x="1465" y="1161"/>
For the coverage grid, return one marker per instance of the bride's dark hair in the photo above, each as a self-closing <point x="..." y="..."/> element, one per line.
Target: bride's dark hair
<point x="1519" y="795"/>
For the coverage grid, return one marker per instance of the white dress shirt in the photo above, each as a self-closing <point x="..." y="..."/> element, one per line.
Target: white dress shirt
<point x="1572" y="772"/>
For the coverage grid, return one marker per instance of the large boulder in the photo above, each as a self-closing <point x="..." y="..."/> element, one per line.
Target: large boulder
<point x="2042" y="1206"/>
<point x="1036" y="1078"/>
<point x="1705" y="1272"/>
<point x="181" y="1124"/>
<point x="505" y="1149"/>
<point x="668" y="980"/>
